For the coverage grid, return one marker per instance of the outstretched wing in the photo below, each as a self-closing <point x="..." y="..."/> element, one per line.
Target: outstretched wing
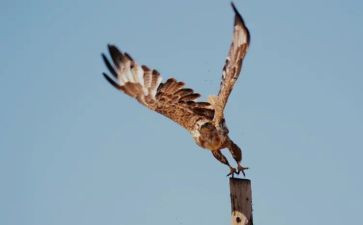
<point x="233" y="64"/>
<point x="170" y="98"/>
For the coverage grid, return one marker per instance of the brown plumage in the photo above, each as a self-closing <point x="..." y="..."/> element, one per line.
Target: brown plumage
<point x="204" y="120"/>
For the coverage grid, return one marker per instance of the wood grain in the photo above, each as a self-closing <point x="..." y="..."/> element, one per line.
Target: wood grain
<point x="241" y="201"/>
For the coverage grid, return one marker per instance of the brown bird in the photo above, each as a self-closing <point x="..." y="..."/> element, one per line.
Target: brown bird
<point x="204" y="120"/>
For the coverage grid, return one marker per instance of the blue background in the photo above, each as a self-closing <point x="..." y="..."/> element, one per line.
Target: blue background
<point x="75" y="151"/>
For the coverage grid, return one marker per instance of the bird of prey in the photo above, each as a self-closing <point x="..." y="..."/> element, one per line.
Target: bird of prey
<point x="204" y="120"/>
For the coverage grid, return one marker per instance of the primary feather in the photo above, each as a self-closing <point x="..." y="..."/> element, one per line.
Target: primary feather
<point x="144" y="84"/>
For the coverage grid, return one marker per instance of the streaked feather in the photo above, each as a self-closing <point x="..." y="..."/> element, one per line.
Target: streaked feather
<point x="233" y="64"/>
<point x="189" y="97"/>
<point x="144" y="84"/>
<point x="171" y="98"/>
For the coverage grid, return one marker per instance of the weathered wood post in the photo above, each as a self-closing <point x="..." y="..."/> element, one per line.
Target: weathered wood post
<point x="241" y="201"/>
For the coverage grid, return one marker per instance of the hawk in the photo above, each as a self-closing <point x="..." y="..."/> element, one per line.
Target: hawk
<point x="204" y="120"/>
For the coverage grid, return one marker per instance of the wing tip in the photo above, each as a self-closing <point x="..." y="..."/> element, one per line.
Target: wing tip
<point x="108" y="65"/>
<point x="109" y="45"/>
<point x="234" y="7"/>
<point x="145" y="68"/>
<point x="128" y="56"/>
<point x="114" y="50"/>
<point x="239" y="18"/>
<point x="111" y="81"/>
<point x="238" y="15"/>
<point x="104" y="58"/>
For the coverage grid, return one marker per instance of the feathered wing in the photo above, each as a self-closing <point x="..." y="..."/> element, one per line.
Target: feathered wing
<point x="170" y="99"/>
<point x="233" y="64"/>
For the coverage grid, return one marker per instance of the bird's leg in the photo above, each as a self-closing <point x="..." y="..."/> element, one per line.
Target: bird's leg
<point x="237" y="155"/>
<point x="220" y="157"/>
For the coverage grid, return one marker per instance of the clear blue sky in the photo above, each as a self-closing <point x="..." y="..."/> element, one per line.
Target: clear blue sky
<point x="75" y="151"/>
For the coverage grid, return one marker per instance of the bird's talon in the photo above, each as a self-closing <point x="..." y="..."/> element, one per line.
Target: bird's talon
<point x="232" y="172"/>
<point x="241" y="169"/>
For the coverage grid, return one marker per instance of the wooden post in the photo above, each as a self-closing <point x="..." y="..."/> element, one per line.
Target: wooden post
<point x="241" y="201"/>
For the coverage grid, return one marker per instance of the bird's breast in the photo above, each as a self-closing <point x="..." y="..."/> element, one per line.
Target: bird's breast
<point x="206" y="135"/>
<point x="212" y="141"/>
